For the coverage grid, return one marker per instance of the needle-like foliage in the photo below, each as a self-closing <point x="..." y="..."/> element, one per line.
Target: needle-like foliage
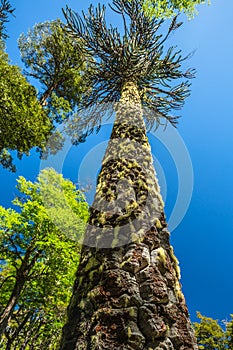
<point x="137" y="55"/>
<point x="5" y="10"/>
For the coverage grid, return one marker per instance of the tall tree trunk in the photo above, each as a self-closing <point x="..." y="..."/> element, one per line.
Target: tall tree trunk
<point x="127" y="294"/>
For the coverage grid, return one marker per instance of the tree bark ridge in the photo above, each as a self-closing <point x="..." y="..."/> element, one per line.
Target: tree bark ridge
<point x="127" y="293"/>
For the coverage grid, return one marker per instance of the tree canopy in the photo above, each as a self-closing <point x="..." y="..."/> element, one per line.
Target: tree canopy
<point x="23" y="122"/>
<point x="28" y="117"/>
<point x="54" y="58"/>
<point x="38" y="261"/>
<point x="5" y="10"/>
<point x="136" y="55"/>
<point x="211" y="335"/>
<point x="170" y="8"/>
<point x="58" y="61"/>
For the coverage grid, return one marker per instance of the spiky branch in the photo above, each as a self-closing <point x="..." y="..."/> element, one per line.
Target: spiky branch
<point x="136" y="55"/>
<point x="5" y="10"/>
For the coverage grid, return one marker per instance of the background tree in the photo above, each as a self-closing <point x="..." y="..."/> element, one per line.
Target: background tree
<point x="127" y="293"/>
<point x="229" y="333"/>
<point x="55" y="60"/>
<point x="27" y="118"/>
<point x="38" y="260"/>
<point x="169" y="8"/>
<point x="23" y="122"/>
<point x="209" y="333"/>
<point x="213" y="335"/>
<point x="5" y="10"/>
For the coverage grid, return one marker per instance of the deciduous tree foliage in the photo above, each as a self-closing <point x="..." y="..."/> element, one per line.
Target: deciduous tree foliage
<point x="56" y="61"/>
<point x="211" y="335"/>
<point x="229" y="333"/>
<point x="23" y="122"/>
<point x="38" y="260"/>
<point x="169" y="8"/>
<point x="26" y="116"/>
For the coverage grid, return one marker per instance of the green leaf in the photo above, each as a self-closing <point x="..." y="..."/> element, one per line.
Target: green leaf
<point x="33" y="246"/>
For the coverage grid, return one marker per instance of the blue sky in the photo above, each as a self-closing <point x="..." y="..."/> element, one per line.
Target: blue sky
<point x="203" y="241"/>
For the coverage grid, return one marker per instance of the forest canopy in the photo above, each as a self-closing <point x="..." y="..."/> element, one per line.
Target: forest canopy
<point x="38" y="260"/>
<point x="170" y="8"/>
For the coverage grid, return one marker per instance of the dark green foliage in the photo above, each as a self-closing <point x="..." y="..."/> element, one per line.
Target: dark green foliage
<point x="23" y="122"/>
<point x="136" y="56"/>
<point x="27" y="118"/>
<point x="5" y="10"/>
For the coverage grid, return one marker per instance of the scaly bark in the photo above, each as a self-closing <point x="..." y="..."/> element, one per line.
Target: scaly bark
<point x="127" y="293"/>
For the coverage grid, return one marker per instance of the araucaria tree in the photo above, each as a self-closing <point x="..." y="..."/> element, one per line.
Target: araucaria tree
<point x="127" y="293"/>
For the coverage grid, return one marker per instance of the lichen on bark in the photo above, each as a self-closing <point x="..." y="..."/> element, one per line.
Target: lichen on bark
<point x="127" y="293"/>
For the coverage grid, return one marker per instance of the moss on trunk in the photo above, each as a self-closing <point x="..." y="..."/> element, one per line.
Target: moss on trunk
<point x="127" y="293"/>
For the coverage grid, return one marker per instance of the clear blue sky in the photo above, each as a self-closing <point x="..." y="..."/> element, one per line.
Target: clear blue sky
<point x="203" y="241"/>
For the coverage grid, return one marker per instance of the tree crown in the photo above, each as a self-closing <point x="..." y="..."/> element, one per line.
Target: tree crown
<point x="136" y="55"/>
<point x="37" y="255"/>
<point x="23" y="122"/>
<point x="54" y="59"/>
<point x="170" y="8"/>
